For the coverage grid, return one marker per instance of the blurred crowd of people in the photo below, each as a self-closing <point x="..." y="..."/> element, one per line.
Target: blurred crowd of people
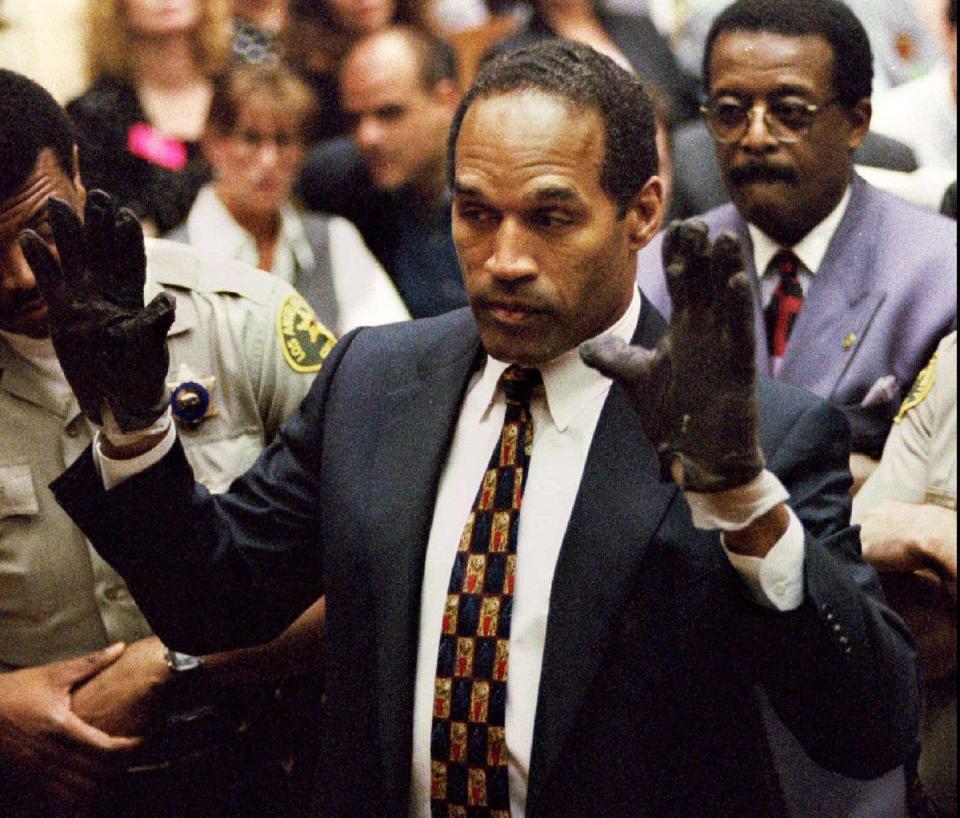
<point x="309" y="138"/>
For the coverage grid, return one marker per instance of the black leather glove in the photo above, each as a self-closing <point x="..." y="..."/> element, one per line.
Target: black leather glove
<point x="111" y="348"/>
<point x="696" y="392"/>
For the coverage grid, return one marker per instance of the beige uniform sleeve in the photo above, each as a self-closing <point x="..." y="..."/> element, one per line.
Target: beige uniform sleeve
<point x="904" y="471"/>
<point x="288" y="345"/>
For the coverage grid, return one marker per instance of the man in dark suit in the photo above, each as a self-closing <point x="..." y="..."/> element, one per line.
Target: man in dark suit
<point x="598" y="646"/>
<point x="854" y="288"/>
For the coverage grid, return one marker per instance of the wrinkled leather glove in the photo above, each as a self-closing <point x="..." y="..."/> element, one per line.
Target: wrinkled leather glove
<point x="112" y="349"/>
<point x="696" y="392"/>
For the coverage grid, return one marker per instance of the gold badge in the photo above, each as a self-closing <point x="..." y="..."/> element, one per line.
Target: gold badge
<point x="921" y="390"/>
<point x="306" y="342"/>
<point x="849" y="342"/>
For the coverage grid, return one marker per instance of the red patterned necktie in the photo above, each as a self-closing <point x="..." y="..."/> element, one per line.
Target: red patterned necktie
<point x="469" y="777"/>
<point x="781" y="314"/>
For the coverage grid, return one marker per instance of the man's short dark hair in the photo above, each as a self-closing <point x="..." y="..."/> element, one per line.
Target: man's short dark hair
<point x="30" y="120"/>
<point x="584" y="79"/>
<point x="830" y="19"/>
<point x="952" y="13"/>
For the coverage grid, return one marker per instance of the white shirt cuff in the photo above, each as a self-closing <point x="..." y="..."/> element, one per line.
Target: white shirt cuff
<point x="737" y="509"/>
<point x="776" y="581"/>
<point x="114" y="472"/>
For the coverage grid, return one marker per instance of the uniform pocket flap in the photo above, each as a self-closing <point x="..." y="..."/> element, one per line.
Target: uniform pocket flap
<point x="17" y="495"/>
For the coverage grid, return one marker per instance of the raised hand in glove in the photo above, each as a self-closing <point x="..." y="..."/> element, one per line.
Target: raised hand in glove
<point x="112" y="349"/>
<point x="696" y="392"/>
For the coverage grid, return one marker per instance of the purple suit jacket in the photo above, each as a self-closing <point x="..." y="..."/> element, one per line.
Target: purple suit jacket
<point x="888" y="283"/>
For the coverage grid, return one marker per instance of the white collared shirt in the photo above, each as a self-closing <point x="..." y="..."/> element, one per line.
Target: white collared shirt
<point x="811" y="251"/>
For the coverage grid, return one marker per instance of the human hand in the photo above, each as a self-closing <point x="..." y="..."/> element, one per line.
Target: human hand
<point x="122" y="700"/>
<point x="696" y="392"/>
<point x="113" y="350"/>
<point x="908" y="537"/>
<point x="46" y="745"/>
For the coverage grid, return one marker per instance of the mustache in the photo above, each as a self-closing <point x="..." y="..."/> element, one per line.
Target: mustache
<point x="24" y="298"/>
<point x="758" y="172"/>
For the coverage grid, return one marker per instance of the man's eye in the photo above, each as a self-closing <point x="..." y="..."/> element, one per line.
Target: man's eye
<point x="391" y="112"/>
<point x="792" y="113"/>
<point x="552" y="219"/>
<point x="251" y="139"/>
<point x="729" y="112"/>
<point x="475" y="214"/>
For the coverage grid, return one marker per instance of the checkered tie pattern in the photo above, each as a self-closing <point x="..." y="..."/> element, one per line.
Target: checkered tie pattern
<point x="468" y="742"/>
<point x="781" y="314"/>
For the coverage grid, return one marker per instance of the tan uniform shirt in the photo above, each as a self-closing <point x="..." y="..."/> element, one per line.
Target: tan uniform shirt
<point x="247" y="338"/>
<point x="920" y="466"/>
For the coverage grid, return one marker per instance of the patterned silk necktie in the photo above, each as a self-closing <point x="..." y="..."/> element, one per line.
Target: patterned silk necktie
<point x="468" y="742"/>
<point x="781" y="314"/>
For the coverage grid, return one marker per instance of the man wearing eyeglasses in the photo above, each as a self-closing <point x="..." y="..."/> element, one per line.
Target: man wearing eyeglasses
<point x="854" y="287"/>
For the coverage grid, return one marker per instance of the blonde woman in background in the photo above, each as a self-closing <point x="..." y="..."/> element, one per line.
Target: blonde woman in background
<point x="140" y="122"/>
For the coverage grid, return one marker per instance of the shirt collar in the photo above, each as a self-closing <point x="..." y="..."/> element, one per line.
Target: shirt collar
<point x="213" y="230"/>
<point x="570" y="384"/>
<point x="811" y="250"/>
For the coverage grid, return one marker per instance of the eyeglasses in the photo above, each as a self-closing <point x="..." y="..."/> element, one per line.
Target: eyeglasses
<point x="252" y="140"/>
<point x="787" y="119"/>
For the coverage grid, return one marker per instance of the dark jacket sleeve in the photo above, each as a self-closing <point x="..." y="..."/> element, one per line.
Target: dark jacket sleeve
<point x="215" y="572"/>
<point x="841" y="671"/>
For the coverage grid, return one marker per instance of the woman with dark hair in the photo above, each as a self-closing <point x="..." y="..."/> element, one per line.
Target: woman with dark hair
<point x="632" y="40"/>
<point x="139" y="124"/>
<point x="323" y="31"/>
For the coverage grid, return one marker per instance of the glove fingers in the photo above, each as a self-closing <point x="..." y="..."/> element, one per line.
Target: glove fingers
<point x="98" y="225"/>
<point x="686" y="260"/>
<point x="47" y="271"/>
<point x="726" y="260"/>
<point x="68" y="235"/>
<point x="159" y="315"/>
<point x="616" y="359"/>
<point x="130" y="266"/>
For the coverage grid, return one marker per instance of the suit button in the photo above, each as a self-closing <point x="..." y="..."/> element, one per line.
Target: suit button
<point x="75" y="427"/>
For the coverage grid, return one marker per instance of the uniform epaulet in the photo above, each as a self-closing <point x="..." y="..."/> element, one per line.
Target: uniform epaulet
<point x="178" y="265"/>
<point x="921" y="389"/>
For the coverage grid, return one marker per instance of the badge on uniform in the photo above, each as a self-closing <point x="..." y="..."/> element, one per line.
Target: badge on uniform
<point x="191" y="400"/>
<point x="305" y="341"/>
<point x="921" y="389"/>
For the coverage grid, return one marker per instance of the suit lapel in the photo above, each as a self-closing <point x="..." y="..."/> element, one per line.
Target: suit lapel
<point x="619" y="507"/>
<point x="840" y="304"/>
<point x="421" y="417"/>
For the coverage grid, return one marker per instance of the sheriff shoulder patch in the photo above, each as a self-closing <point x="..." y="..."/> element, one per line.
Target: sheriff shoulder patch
<point x="921" y="390"/>
<point x="305" y="341"/>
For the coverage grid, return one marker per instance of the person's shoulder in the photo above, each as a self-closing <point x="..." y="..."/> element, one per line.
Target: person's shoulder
<point x="104" y="94"/>
<point x="425" y="344"/>
<point x="783" y="405"/>
<point x="177" y="266"/>
<point x="896" y="210"/>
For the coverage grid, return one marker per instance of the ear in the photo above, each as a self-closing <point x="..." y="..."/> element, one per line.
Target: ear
<point x="645" y="216"/>
<point x="859" y="117"/>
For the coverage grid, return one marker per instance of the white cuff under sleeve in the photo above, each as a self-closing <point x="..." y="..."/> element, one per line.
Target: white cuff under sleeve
<point x="776" y="581"/>
<point x="114" y="472"/>
<point x="736" y="509"/>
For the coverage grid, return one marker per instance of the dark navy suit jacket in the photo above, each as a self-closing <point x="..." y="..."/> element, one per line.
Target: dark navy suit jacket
<point x="653" y="649"/>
